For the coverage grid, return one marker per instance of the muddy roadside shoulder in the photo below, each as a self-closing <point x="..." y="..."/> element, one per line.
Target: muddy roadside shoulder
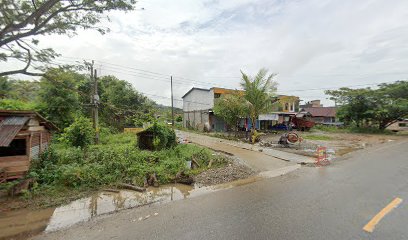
<point x="33" y="221"/>
<point x="234" y="170"/>
<point x="337" y="144"/>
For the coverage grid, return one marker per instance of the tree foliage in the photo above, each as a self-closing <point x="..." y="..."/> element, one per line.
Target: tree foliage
<point x="163" y="136"/>
<point x="122" y="105"/>
<point x="259" y="92"/>
<point x="372" y="107"/>
<point x="22" y="21"/>
<point x="58" y="99"/>
<point x="5" y="87"/>
<point x="80" y="133"/>
<point x="13" y="104"/>
<point x="231" y="108"/>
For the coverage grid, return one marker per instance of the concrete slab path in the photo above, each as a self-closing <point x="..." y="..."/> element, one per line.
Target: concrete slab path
<point x="260" y="161"/>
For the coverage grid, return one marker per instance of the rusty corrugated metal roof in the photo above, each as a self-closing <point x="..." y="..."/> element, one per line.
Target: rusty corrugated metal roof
<point x="9" y="128"/>
<point x="322" y="111"/>
<point x="18" y="113"/>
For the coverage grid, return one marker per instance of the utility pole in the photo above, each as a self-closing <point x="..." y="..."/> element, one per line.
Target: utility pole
<point x="91" y="94"/>
<point x="172" y="106"/>
<point x="95" y="101"/>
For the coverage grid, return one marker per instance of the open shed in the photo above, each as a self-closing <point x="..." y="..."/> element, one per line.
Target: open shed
<point x="23" y="136"/>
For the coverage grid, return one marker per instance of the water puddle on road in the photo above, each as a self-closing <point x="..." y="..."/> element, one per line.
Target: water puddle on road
<point x="21" y="224"/>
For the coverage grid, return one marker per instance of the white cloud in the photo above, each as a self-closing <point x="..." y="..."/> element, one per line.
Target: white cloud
<point x="311" y="44"/>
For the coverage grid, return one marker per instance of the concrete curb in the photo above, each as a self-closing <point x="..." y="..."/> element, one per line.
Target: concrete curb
<point x="279" y="172"/>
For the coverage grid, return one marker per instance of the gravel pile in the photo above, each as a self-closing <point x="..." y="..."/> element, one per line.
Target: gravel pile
<point x="231" y="172"/>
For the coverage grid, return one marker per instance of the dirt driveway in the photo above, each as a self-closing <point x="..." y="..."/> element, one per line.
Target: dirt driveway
<point x="337" y="144"/>
<point x="255" y="159"/>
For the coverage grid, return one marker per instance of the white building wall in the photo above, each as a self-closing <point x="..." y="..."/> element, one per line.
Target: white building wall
<point x="198" y="99"/>
<point x="195" y="107"/>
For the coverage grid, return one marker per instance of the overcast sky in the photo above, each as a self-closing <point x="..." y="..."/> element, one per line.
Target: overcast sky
<point x="309" y="43"/>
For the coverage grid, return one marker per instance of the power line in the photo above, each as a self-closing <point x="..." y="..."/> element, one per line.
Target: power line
<point x="181" y="80"/>
<point x="147" y="76"/>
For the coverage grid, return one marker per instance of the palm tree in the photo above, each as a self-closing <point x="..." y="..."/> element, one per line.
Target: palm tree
<point x="259" y="93"/>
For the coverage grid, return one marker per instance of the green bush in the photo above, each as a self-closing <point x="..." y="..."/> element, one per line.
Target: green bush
<point x="80" y="133"/>
<point x="163" y="136"/>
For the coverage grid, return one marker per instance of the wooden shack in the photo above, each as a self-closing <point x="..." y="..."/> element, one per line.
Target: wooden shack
<point x="23" y="136"/>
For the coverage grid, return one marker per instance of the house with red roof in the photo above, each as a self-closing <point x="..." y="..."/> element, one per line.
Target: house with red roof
<point x="323" y="115"/>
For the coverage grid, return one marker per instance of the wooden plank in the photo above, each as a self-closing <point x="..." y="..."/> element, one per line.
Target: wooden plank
<point x="16" y="169"/>
<point x="41" y="142"/>
<point x="14" y="164"/>
<point x="15" y="175"/>
<point x="14" y="158"/>
<point x="36" y="129"/>
<point x="29" y="147"/>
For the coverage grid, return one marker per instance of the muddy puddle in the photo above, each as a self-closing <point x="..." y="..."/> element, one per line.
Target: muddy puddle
<point x="22" y="224"/>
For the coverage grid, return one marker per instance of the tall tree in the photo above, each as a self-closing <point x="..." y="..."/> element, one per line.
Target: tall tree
<point x="373" y="107"/>
<point x="259" y="93"/>
<point x="354" y="104"/>
<point x="59" y="97"/>
<point x="231" y="108"/>
<point x="391" y="103"/>
<point x="24" y="90"/>
<point x="22" y="21"/>
<point x="121" y="102"/>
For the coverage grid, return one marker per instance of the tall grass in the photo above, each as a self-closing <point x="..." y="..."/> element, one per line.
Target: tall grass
<point x="116" y="159"/>
<point x="351" y="129"/>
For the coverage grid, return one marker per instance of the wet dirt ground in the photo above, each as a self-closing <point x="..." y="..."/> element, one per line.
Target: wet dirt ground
<point x="337" y="144"/>
<point x="25" y="223"/>
<point x="333" y="202"/>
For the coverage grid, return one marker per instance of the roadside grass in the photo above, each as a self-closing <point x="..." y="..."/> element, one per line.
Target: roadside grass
<point x="352" y="129"/>
<point x="317" y="137"/>
<point x="63" y="171"/>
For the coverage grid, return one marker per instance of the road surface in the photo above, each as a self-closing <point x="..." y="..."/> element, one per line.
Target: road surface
<point x="333" y="202"/>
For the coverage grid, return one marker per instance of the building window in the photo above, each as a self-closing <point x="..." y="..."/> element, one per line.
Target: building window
<point x="292" y="107"/>
<point x="402" y="124"/>
<point x="286" y="106"/>
<point x="16" y="148"/>
<point x="217" y="95"/>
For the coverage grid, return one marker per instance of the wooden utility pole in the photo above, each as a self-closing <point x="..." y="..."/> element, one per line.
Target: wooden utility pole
<point x="95" y="107"/>
<point x="172" y="106"/>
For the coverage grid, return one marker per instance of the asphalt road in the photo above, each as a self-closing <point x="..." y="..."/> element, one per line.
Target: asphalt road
<point x="333" y="202"/>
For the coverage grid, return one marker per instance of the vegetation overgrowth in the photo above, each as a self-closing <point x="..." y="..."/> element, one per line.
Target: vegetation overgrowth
<point x="317" y="137"/>
<point x="163" y="136"/>
<point x="367" y="108"/>
<point x="351" y="129"/>
<point x="116" y="159"/>
<point x="65" y="169"/>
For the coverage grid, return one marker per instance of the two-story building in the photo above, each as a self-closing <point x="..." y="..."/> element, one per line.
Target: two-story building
<point x="199" y="102"/>
<point x="197" y="108"/>
<point x="282" y="109"/>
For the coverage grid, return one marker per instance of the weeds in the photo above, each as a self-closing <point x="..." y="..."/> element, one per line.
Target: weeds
<point x="352" y="129"/>
<point x="317" y="137"/>
<point x="117" y="159"/>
